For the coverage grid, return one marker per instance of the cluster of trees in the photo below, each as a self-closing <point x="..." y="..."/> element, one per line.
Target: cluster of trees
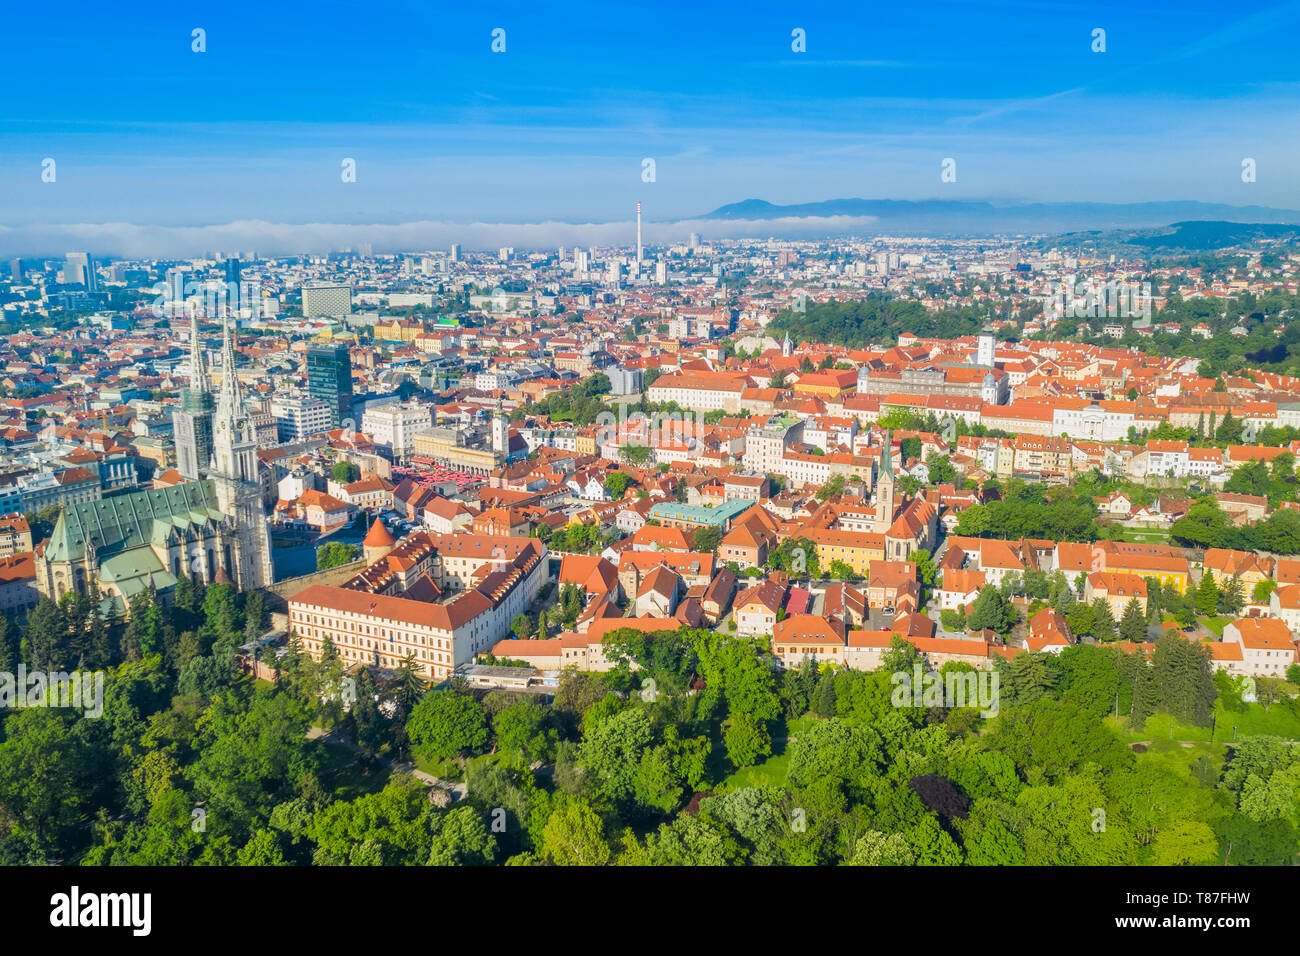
<point x="181" y="732"/>
<point x="992" y="608"/>
<point x="1261" y="347"/>
<point x="875" y="320"/>
<point x="634" y="766"/>
<point x="1207" y="432"/>
<point x="580" y="403"/>
<point x="901" y="419"/>
<point x="550" y="620"/>
<point x="1206" y="525"/>
<point x="345" y="472"/>
<point x="616" y="484"/>
<point x="578" y="538"/>
<point x="797" y="557"/>
<point x="1275" y="481"/>
<point x="1032" y="511"/>
<point x="333" y="554"/>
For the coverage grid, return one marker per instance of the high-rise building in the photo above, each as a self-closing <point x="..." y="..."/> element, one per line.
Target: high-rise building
<point x="176" y="288"/>
<point x="455" y="252"/>
<point x="233" y="268"/>
<point x="16" y="269"/>
<point x="332" y="301"/>
<point x="192" y="422"/>
<point x="79" y="269"/>
<point x="329" y="378"/>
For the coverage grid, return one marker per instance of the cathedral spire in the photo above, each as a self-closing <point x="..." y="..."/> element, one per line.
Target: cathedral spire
<point x="198" y="367"/>
<point x="232" y="398"/>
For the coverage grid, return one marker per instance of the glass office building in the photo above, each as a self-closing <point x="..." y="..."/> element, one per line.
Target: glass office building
<point x="329" y="378"/>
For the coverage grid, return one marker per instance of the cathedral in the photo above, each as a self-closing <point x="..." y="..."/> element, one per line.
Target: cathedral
<point x="211" y="528"/>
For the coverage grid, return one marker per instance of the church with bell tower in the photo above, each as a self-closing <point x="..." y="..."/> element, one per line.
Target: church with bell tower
<point x="211" y="528"/>
<point x="233" y="473"/>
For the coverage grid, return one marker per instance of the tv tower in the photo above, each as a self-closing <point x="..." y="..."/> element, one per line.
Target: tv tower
<point x="638" y="233"/>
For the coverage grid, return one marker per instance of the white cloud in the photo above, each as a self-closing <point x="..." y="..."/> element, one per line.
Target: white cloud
<point x="128" y="240"/>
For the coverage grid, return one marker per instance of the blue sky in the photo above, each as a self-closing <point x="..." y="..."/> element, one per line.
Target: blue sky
<point x="145" y="131"/>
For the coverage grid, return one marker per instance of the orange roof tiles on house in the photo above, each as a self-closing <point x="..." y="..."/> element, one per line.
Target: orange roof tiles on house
<point x="593" y="573"/>
<point x="807" y="629"/>
<point x="18" y="567"/>
<point x="1264" y="634"/>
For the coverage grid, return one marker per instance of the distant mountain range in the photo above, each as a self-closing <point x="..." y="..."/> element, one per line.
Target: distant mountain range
<point x="958" y="217"/>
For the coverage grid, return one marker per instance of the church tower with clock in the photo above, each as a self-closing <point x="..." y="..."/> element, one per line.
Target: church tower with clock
<point x="234" y="476"/>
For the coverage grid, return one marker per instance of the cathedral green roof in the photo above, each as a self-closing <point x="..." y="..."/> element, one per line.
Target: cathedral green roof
<point x="138" y="519"/>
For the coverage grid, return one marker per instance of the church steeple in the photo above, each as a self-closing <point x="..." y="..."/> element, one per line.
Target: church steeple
<point x="232" y="396"/>
<point x="885" y="486"/>
<point x="192" y="421"/>
<point x="234" y="476"/>
<point x="198" y="367"/>
<point x="234" y="440"/>
<point x="500" y="430"/>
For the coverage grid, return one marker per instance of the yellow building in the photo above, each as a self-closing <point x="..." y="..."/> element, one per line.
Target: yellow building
<point x="1224" y="564"/>
<point x="1170" y="572"/>
<point x="1116" y="588"/>
<point x="399" y="330"/>
<point x="445" y="447"/>
<point x="857" y="549"/>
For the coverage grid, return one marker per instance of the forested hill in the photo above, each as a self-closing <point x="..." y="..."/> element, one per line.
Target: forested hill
<point x="876" y="320"/>
<point x="1179" y="237"/>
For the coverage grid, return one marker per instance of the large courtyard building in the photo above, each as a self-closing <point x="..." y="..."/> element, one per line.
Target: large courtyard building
<point x="440" y="599"/>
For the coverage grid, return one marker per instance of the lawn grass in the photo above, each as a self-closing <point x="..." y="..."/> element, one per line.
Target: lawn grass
<point x="772" y="771"/>
<point x="1280" y="721"/>
<point x="1216" y="624"/>
<point x="443" y="769"/>
<point x="1174" y="756"/>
